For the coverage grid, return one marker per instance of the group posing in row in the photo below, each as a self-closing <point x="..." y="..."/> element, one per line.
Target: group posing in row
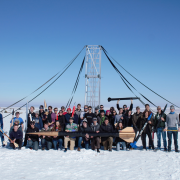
<point x="86" y="121"/>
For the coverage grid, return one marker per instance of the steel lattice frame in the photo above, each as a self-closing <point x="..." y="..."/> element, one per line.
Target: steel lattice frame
<point x="93" y="76"/>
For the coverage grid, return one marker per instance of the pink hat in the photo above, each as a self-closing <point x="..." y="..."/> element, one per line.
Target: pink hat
<point x="107" y="111"/>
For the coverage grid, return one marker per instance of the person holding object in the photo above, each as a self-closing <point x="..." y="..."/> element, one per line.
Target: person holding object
<point x="159" y="124"/>
<point x="125" y="106"/>
<point x="106" y="128"/>
<point x="95" y="141"/>
<point x="31" y="114"/>
<point x="70" y="127"/>
<point x="147" y="130"/>
<point x="33" y="140"/>
<point x="16" y="136"/>
<point x="17" y="118"/>
<point x="172" y="121"/>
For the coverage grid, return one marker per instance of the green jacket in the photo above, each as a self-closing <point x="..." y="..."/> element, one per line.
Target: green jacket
<point x="157" y="119"/>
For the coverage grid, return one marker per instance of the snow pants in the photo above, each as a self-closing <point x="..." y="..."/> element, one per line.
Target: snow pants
<point x="72" y="142"/>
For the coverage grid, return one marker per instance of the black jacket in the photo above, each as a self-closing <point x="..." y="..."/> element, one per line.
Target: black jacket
<point x="106" y="128"/>
<point x="61" y="120"/>
<point x="95" y="128"/>
<point x="85" y="130"/>
<point x="124" y="112"/>
<point x="136" y="119"/>
<point x="41" y="114"/>
<point x="31" y="136"/>
<point x="127" y="121"/>
<point x="89" y="117"/>
<point x="16" y="135"/>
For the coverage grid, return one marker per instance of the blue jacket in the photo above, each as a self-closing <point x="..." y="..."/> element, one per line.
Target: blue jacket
<point x="38" y="122"/>
<point x="16" y="135"/>
<point x="1" y="121"/>
<point x="67" y="117"/>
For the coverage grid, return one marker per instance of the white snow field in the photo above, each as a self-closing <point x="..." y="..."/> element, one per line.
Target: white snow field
<point x="87" y="164"/>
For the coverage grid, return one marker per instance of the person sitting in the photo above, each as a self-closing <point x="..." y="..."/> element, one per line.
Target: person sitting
<point x="38" y="121"/>
<point x="118" y="140"/>
<point x="57" y="139"/>
<point x="70" y="127"/>
<point x="21" y="122"/>
<point x="33" y="140"/>
<point x="46" y="141"/>
<point x="107" y="128"/>
<point x="84" y="129"/>
<point x="95" y="141"/>
<point x="16" y="137"/>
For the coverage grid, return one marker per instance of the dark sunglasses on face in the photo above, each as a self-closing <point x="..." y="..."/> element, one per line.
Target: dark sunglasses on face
<point x="89" y="109"/>
<point x="101" y="107"/>
<point x="55" y="110"/>
<point x="85" y="108"/>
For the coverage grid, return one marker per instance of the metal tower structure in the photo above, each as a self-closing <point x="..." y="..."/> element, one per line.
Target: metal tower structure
<point x="93" y="76"/>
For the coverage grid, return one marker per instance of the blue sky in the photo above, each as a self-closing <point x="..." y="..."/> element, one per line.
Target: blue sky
<point x="38" y="38"/>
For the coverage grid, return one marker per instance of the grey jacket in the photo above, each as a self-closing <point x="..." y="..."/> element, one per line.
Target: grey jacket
<point x="118" y="118"/>
<point x="95" y="127"/>
<point x="172" y="120"/>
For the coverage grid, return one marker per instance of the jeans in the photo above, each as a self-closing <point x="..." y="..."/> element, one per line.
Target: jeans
<point x="55" y="142"/>
<point x="47" y="144"/>
<point x="85" y="142"/>
<point x="175" y="135"/>
<point x="2" y="137"/>
<point x="118" y="146"/>
<point x="33" y="144"/>
<point x="159" y="132"/>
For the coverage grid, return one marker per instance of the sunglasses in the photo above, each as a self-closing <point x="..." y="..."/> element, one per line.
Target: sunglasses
<point x="101" y="107"/>
<point x="55" y="110"/>
<point x="85" y="108"/>
<point x="89" y="109"/>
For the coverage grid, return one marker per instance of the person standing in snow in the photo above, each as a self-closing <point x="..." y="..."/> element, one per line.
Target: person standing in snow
<point x="31" y="112"/>
<point x="159" y="124"/>
<point x="41" y="111"/>
<point x="89" y="116"/>
<point x="1" y="125"/>
<point x="173" y="127"/>
<point x="37" y="120"/>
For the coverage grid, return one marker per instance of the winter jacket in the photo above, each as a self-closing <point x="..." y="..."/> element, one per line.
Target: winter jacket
<point x="95" y="128"/>
<point x="71" y="127"/>
<point x="67" y="117"/>
<point x="78" y="113"/>
<point x="41" y="114"/>
<point x="157" y="119"/>
<point x="100" y="120"/>
<point x="89" y="117"/>
<point x="61" y="120"/>
<point x="135" y="119"/>
<point x="16" y="135"/>
<point x="106" y="128"/>
<point x="46" y="137"/>
<point x="127" y="121"/>
<point x="60" y="128"/>
<point x="31" y="136"/>
<point x="85" y="130"/>
<point x="118" y="118"/>
<point x="12" y="129"/>
<point x="38" y="122"/>
<point x="142" y="121"/>
<point x="1" y="121"/>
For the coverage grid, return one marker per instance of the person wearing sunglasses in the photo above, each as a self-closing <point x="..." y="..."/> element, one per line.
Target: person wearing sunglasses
<point x="83" y="113"/>
<point x="102" y="108"/>
<point x="89" y="116"/>
<point x="61" y="119"/>
<point x="125" y="107"/>
<point x="41" y="111"/>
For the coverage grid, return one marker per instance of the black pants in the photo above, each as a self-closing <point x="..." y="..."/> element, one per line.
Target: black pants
<point x="144" y="139"/>
<point x="18" y="141"/>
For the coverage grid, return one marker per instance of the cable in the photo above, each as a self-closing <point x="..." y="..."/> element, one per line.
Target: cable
<point x="76" y="84"/>
<point x="46" y="87"/>
<point x="142" y="83"/>
<point x="43" y="84"/>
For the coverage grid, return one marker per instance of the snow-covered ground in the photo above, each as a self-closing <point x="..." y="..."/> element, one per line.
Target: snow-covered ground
<point x="87" y="164"/>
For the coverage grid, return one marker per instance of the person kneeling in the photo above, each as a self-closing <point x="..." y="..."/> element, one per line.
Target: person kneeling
<point x="70" y="127"/>
<point x="46" y="141"/>
<point x="107" y="128"/>
<point x="84" y="129"/>
<point x="33" y="140"/>
<point x="16" y="136"/>
<point x="95" y="141"/>
<point x="57" y="127"/>
<point x="119" y="141"/>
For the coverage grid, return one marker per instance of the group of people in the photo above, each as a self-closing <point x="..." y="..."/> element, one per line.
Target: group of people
<point x="106" y="121"/>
